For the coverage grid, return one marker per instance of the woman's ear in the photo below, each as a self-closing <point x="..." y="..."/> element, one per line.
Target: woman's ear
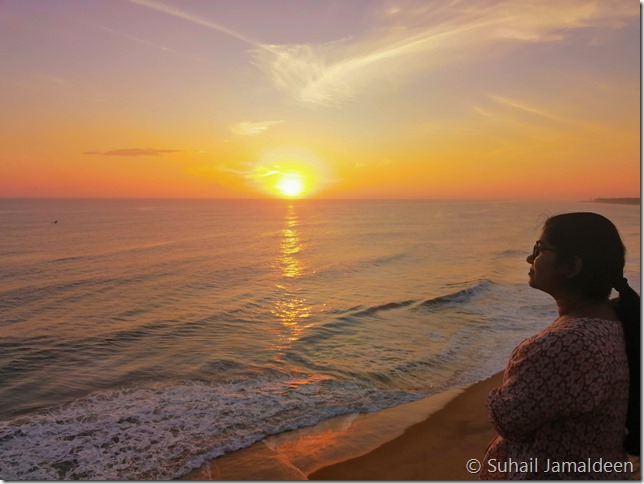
<point x="574" y="265"/>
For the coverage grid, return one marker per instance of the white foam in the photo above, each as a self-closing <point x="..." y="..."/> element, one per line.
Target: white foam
<point x="160" y="433"/>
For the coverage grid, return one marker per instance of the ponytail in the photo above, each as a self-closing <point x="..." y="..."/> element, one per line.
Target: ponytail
<point x="628" y="310"/>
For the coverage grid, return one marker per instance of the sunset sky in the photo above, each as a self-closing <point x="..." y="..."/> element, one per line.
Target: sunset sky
<point x="434" y="99"/>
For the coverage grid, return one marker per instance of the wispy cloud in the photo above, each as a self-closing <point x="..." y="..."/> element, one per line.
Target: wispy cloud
<point x="252" y="171"/>
<point x="175" y="12"/>
<point x="414" y="36"/>
<point x="253" y="174"/>
<point x="427" y="35"/>
<point x="133" y="38"/>
<point x="247" y="128"/>
<point x="140" y="40"/>
<point x="132" y="152"/>
<point x="525" y="107"/>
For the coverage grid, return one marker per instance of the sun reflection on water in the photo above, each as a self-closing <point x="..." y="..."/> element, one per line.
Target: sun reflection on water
<point x="290" y="245"/>
<point x="292" y="310"/>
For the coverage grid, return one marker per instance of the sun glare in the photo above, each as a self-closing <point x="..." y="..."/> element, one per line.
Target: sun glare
<point x="290" y="185"/>
<point x="289" y="173"/>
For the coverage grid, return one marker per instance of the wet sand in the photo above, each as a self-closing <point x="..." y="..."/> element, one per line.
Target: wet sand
<point x="435" y="449"/>
<point x="397" y="443"/>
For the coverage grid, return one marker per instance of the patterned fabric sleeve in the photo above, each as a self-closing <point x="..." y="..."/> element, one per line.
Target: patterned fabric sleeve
<point x="556" y="375"/>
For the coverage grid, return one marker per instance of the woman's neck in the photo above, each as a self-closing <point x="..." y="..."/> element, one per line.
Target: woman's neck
<point x="572" y="305"/>
<point x="578" y="306"/>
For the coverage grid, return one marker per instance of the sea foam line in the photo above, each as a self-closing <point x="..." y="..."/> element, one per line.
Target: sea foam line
<point x="161" y="433"/>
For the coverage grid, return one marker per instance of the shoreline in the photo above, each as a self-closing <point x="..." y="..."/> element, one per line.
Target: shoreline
<point x="360" y="446"/>
<point x="435" y="449"/>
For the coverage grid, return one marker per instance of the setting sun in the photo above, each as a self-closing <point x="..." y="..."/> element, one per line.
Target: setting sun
<point x="290" y="185"/>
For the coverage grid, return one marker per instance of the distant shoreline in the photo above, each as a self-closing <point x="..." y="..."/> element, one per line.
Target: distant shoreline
<point x="618" y="201"/>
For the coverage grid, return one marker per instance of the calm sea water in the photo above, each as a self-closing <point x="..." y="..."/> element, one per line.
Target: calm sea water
<point x="140" y="338"/>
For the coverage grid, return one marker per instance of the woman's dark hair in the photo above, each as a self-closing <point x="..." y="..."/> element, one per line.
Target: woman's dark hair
<point x="596" y="241"/>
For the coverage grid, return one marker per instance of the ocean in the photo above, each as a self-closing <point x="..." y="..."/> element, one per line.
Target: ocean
<point x="141" y="338"/>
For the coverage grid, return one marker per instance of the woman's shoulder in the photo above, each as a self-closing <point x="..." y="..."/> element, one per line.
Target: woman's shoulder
<point x="587" y="325"/>
<point x="568" y="334"/>
<point x="601" y="332"/>
<point x="580" y="339"/>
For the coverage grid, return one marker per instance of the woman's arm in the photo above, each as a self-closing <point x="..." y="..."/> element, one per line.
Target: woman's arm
<point x="554" y="376"/>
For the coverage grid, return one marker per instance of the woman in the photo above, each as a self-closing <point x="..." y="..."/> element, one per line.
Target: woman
<point x="567" y="408"/>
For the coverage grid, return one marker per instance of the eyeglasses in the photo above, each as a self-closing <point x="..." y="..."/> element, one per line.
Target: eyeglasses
<point x="539" y="247"/>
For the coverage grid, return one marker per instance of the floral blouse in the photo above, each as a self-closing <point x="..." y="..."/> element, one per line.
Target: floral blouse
<point x="561" y="410"/>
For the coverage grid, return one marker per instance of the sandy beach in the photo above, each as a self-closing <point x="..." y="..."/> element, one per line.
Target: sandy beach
<point x="436" y="447"/>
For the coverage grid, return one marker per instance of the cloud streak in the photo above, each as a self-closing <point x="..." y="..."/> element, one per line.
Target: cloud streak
<point x="133" y="38"/>
<point x="132" y="152"/>
<point x="526" y="107"/>
<point x="175" y="12"/>
<point x="247" y="128"/>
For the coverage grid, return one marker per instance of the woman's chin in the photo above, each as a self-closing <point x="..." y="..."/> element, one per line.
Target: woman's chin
<point x="531" y="279"/>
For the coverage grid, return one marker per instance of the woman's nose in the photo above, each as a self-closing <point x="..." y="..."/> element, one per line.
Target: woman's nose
<point x="529" y="259"/>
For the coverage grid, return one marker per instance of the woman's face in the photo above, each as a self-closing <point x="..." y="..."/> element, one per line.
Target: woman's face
<point x="545" y="273"/>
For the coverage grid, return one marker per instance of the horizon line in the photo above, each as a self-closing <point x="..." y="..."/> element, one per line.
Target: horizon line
<point x="503" y="199"/>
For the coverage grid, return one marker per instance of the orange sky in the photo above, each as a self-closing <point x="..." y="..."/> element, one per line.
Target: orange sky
<point x="360" y="99"/>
